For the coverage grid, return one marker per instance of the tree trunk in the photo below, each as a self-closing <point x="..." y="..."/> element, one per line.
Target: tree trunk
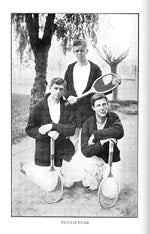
<point x="40" y="49"/>
<point x="40" y="83"/>
<point x="115" y="91"/>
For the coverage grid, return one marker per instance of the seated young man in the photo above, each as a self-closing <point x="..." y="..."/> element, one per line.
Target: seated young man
<point x="96" y="132"/>
<point x="50" y="118"/>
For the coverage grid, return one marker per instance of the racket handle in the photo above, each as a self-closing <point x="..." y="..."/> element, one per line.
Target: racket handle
<point x="52" y="148"/>
<point x="111" y="149"/>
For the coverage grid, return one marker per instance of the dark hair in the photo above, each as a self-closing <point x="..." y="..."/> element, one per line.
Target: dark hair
<point x="58" y="81"/>
<point x="80" y="42"/>
<point x="98" y="96"/>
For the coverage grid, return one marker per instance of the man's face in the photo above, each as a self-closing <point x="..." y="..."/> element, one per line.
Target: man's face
<point x="101" y="107"/>
<point x="57" y="91"/>
<point x="80" y="52"/>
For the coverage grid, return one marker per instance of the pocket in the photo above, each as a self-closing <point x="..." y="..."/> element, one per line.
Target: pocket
<point x="42" y="151"/>
<point x="64" y="149"/>
<point x="105" y="154"/>
<point x="116" y="154"/>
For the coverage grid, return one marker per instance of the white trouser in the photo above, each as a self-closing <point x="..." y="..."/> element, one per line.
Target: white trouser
<point x="80" y="168"/>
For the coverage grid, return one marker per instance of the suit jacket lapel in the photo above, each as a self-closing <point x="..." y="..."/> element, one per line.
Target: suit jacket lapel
<point x="46" y="109"/>
<point x="90" y="80"/>
<point x="93" y="124"/>
<point x="107" y="124"/>
<point x="71" y="78"/>
<point x="62" y="103"/>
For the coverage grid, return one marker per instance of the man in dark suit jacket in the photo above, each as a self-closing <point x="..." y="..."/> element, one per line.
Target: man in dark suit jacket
<point x="80" y="76"/>
<point x="96" y="132"/>
<point x="98" y="128"/>
<point x="52" y="118"/>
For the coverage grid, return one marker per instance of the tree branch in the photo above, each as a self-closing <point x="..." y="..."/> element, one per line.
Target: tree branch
<point x="122" y="56"/>
<point x="33" y="27"/>
<point x="49" y="29"/>
<point x="100" y="54"/>
<point x="110" y="59"/>
<point x="36" y="24"/>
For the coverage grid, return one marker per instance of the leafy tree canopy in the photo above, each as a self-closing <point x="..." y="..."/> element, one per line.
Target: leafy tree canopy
<point x="67" y="27"/>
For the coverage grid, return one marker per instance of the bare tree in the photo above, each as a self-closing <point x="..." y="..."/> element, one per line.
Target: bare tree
<point x="112" y="61"/>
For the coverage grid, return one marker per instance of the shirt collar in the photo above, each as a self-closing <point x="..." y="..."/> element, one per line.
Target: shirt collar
<point x="50" y="100"/>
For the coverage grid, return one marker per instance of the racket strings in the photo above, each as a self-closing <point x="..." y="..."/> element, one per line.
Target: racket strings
<point x="102" y="87"/>
<point x="52" y="196"/>
<point x="104" y="84"/>
<point x="108" y="192"/>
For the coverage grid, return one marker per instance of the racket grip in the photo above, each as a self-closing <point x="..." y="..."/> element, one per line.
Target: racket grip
<point x="111" y="148"/>
<point x="52" y="146"/>
<point x="110" y="159"/>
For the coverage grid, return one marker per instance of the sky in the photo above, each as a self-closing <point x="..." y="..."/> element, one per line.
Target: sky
<point x="119" y="32"/>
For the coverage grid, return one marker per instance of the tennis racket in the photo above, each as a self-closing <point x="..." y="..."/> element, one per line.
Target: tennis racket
<point x="52" y="186"/>
<point x="108" y="191"/>
<point x="104" y="84"/>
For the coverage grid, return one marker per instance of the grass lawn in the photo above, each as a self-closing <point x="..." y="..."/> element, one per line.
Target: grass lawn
<point x="19" y="116"/>
<point x="20" y="113"/>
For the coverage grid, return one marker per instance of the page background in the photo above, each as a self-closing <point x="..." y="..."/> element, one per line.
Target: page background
<point x="102" y="225"/>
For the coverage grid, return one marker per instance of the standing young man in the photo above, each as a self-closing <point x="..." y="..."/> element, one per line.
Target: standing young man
<point x="80" y="76"/>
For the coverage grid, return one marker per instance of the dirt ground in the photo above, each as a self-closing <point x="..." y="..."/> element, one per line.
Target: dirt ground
<point x="78" y="201"/>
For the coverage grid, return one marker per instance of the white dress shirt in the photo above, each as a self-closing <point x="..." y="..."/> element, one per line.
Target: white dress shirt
<point x="80" y="77"/>
<point x="54" y="110"/>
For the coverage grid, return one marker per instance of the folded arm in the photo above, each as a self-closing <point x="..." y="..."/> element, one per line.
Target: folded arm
<point x="115" y="130"/>
<point x="34" y="125"/>
<point x="39" y="131"/>
<point x="89" y="149"/>
<point x="91" y="143"/>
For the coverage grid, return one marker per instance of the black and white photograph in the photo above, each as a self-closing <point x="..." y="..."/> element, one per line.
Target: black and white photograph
<point x="74" y="115"/>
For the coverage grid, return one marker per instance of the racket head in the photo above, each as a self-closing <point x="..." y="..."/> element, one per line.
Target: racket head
<point x="54" y="194"/>
<point x="108" y="192"/>
<point x="105" y="83"/>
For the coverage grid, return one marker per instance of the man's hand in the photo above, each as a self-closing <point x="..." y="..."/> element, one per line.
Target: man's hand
<point x="90" y="141"/>
<point x="108" y="139"/>
<point x="72" y="99"/>
<point x="45" y="128"/>
<point x="104" y="141"/>
<point x="117" y="80"/>
<point x="53" y="134"/>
